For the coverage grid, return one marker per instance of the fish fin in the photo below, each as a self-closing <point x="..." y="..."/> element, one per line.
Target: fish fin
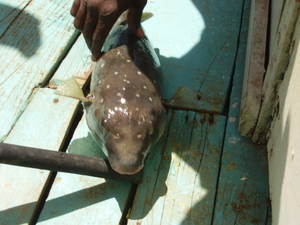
<point x="185" y="98"/>
<point x="70" y="88"/>
<point x="146" y="15"/>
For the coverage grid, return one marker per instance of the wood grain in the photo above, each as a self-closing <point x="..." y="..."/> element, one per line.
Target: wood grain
<point x="181" y="173"/>
<point x="74" y="199"/>
<point x="242" y="196"/>
<point x="43" y="124"/>
<point x="254" y="67"/>
<point x="277" y="66"/>
<point x="30" y="47"/>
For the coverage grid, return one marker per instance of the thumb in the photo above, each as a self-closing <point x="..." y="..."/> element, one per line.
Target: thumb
<point x="134" y="18"/>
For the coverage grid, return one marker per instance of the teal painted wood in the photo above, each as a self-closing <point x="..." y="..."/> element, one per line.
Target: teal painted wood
<point x="197" y="42"/>
<point x="243" y="185"/>
<point x="181" y="172"/>
<point x="43" y="124"/>
<point x="8" y="12"/>
<point x="29" y="48"/>
<point x="77" y="199"/>
<point x="77" y="64"/>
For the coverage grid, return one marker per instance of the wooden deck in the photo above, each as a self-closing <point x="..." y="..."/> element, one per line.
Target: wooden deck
<point x="200" y="172"/>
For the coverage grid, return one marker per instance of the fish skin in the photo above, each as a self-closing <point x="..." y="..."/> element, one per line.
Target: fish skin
<point x="126" y="116"/>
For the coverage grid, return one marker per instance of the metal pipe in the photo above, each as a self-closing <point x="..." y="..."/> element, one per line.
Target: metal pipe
<point x="62" y="162"/>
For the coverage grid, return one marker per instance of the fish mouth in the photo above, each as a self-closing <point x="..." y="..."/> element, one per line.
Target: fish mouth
<point x="127" y="171"/>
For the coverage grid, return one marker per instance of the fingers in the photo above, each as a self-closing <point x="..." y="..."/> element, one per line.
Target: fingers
<point x="134" y="18"/>
<point x="75" y="7"/>
<point x="101" y="32"/>
<point x="95" y="18"/>
<point x="80" y="16"/>
<point x="89" y="26"/>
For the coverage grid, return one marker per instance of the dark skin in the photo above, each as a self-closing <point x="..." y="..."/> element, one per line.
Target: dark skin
<point x="95" y="18"/>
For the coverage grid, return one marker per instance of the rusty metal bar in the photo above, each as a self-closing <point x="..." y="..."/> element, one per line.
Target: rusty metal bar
<point x="61" y="162"/>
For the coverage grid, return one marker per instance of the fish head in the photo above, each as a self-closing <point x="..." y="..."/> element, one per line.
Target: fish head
<point x="129" y="136"/>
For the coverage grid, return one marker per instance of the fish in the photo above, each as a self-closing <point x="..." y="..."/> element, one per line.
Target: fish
<point x="125" y="110"/>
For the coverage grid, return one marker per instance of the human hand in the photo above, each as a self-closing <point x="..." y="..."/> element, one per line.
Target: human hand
<point x="95" y="18"/>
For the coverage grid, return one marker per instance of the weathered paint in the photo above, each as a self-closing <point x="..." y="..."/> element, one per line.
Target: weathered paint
<point x="277" y="66"/>
<point x="206" y="66"/>
<point x="77" y="64"/>
<point x="78" y="199"/>
<point x="254" y="67"/>
<point x="43" y="124"/>
<point x="9" y="11"/>
<point x="242" y="196"/>
<point x="181" y="173"/>
<point x="29" y="48"/>
<point x="283" y="146"/>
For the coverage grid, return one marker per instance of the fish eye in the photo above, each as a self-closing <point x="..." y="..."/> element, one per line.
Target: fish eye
<point x="90" y="97"/>
<point x="104" y="124"/>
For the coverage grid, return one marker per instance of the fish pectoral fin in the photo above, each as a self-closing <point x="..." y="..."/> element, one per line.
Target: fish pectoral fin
<point x="185" y="98"/>
<point x="70" y="88"/>
<point x="146" y="15"/>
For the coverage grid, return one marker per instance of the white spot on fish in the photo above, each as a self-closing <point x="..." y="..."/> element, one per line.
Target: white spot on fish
<point x="137" y="109"/>
<point x="118" y="53"/>
<point x="102" y="100"/>
<point x="145" y="87"/>
<point x="102" y="65"/>
<point x="154" y="82"/>
<point x="128" y="60"/>
<point x="150" y="99"/>
<point x="119" y="94"/>
<point x="139" y="72"/>
<point x="99" y="82"/>
<point x="125" y="75"/>
<point x="137" y="95"/>
<point x="139" y="136"/>
<point x="108" y="86"/>
<point x="128" y="82"/>
<point x="111" y="112"/>
<point x="123" y="100"/>
<point x="116" y="73"/>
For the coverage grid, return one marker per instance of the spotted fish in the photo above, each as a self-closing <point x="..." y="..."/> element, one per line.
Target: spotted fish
<point x="124" y="110"/>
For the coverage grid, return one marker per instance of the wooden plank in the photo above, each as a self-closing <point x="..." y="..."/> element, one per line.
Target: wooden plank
<point x="43" y="124"/>
<point x="181" y="172"/>
<point x="9" y="11"/>
<point x="242" y="196"/>
<point x="276" y="68"/>
<point x="77" y="199"/>
<point x="283" y="144"/>
<point x="77" y="64"/>
<point x="88" y="195"/>
<point x="30" y="48"/>
<point x="254" y="67"/>
<point x="191" y="53"/>
<point x="276" y="13"/>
